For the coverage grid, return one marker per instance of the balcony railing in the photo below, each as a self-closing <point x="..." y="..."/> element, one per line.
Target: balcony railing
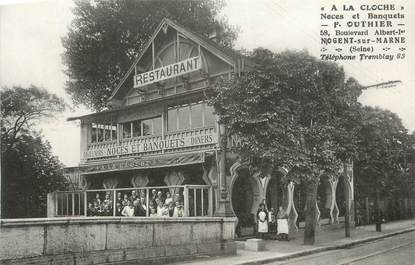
<point x="99" y="150"/>
<point x="191" y="200"/>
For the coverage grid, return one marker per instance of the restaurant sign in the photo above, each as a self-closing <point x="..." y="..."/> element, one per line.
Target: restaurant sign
<point x="137" y="147"/>
<point x="168" y="71"/>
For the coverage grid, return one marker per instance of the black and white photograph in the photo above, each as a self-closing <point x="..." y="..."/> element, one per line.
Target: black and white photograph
<point x="207" y="132"/>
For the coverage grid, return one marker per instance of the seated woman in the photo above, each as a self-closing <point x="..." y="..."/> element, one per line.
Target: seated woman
<point x="282" y="224"/>
<point x="119" y="209"/>
<point x="168" y="199"/>
<point x="159" y="207"/>
<point x="171" y="208"/>
<point x="153" y="212"/>
<point x="178" y="210"/>
<point x="107" y="205"/>
<point x="91" y="210"/>
<point x="128" y="210"/>
<point x="165" y="211"/>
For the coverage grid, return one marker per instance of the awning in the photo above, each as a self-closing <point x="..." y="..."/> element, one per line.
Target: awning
<point x="145" y="163"/>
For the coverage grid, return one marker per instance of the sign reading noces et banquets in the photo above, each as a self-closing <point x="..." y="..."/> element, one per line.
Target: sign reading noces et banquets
<point x="168" y="71"/>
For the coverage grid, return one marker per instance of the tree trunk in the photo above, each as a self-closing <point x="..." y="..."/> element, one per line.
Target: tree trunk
<point x="347" y="204"/>
<point x="310" y="213"/>
<point x="378" y="215"/>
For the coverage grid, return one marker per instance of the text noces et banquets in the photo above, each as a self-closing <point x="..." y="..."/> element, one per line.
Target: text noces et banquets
<point x="151" y="146"/>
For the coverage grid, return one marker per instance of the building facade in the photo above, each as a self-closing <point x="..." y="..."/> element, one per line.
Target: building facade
<point x="160" y="131"/>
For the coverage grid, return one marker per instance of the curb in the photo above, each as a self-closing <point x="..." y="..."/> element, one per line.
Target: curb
<point x="326" y="248"/>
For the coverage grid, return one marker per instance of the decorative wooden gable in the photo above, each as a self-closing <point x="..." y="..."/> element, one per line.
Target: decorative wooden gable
<point x="174" y="61"/>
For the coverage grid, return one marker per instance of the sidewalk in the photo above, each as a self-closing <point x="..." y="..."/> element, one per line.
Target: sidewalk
<point x="325" y="240"/>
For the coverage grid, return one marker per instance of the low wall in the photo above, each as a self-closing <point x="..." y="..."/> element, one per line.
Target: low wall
<point x="113" y="240"/>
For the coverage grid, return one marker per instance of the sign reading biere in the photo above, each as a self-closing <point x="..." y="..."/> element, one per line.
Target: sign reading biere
<point x="168" y="71"/>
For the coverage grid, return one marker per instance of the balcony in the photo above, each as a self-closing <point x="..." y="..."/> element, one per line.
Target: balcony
<point x="187" y="140"/>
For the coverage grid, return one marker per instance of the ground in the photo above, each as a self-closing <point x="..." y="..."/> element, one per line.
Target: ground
<point x="398" y="249"/>
<point x="394" y="245"/>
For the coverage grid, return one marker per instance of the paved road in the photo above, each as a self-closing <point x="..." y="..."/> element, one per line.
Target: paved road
<point x="397" y="250"/>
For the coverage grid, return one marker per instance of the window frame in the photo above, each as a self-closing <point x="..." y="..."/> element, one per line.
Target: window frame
<point x="190" y="105"/>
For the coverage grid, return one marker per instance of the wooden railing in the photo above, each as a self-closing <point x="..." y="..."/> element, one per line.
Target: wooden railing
<point x="196" y="200"/>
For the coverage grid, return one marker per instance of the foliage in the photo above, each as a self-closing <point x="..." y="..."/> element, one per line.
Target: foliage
<point x="22" y="107"/>
<point x="105" y="37"/>
<point x="30" y="173"/>
<point x="290" y="111"/>
<point x="29" y="170"/>
<point x="384" y="145"/>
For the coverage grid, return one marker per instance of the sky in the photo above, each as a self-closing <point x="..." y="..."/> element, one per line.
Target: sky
<point x="31" y="48"/>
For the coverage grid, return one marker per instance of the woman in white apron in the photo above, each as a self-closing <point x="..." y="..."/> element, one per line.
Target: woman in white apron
<point x="262" y="220"/>
<point x="282" y="224"/>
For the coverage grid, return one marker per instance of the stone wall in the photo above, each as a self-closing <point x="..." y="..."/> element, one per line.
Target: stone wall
<point x="113" y="240"/>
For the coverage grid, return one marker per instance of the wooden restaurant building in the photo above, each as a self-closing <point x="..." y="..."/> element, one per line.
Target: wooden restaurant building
<point x="159" y="132"/>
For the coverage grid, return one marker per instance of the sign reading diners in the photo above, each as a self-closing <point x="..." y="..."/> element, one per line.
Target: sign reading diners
<point x="151" y="146"/>
<point x="168" y="71"/>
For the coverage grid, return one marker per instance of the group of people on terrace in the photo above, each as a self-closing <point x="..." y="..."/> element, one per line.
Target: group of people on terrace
<point x="160" y="204"/>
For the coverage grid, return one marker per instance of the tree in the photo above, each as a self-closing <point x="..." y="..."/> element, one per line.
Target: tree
<point x="106" y="36"/>
<point x="29" y="171"/>
<point x="21" y="108"/>
<point x="383" y="146"/>
<point x="289" y="111"/>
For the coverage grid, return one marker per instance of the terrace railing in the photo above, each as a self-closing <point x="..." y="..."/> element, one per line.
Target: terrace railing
<point x="196" y="200"/>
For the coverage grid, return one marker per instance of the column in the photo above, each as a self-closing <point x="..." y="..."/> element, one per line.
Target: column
<point x="224" y="207"/>
<point x="334" y="209"/>
<point x="291" y="211"/>
<point x="110" y="183"/>
<point x="174" y="178"/>
<point x="349" y="181"/>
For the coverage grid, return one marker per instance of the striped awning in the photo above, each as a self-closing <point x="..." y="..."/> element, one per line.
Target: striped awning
<point x="144" y="163"/>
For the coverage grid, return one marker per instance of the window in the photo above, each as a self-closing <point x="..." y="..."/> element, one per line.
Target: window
<point x="103" y="132"/>
<point x="139" y="128"/>
<point x="147" y="127"/>
<point x="126" y="130"/>
<point x="196" y="115"/>
<point x="184" y="117"/>
<point x="157" y="125"/>
<point x="191" y="116"/>
<point x="172" y="120"/>
<point x="209" y="115"/>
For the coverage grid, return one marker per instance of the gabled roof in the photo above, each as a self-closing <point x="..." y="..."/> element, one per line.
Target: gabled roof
<point x="226" y="54"/>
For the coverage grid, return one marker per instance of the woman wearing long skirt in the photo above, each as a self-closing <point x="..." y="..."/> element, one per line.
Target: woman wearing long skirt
<point x="282" y="224"/>
<point x="262" y="220"/>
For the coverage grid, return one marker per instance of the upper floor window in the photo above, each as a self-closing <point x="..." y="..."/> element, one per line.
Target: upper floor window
<point x="101" y="132"/>
<point x="195" y="115"/>
<point x="144" y="127"/>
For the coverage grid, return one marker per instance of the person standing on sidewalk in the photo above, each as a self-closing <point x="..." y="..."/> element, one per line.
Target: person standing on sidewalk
<point x="272" y="223"/>
<point x="282" y="224"/>
<point x="262" y="221"/>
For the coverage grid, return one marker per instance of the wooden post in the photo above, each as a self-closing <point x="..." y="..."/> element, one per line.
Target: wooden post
<point x="147" y="202"/>
<point x="73" y="204"/>
<point x="85" y="203"/>
<point x="186" y="200"/>
<point x="201" y="196"/>
<point x="194" y="201"/>
<point x="114" y="203"/>
<point x="210" y="200"/>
